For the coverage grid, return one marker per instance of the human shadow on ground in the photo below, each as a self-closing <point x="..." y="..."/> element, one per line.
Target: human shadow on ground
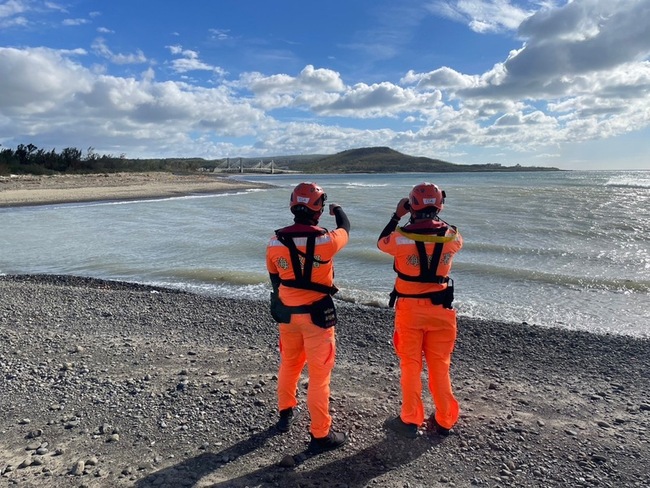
<point x="190" y="471"/>
<point x="354" y="471"/>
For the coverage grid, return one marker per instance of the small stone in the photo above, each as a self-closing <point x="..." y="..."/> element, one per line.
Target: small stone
<point x="34" y="434"/>
<point x="78" y="468"/>
<point x="598" y="458"/>
<point x="32" y="446"/>
<point x="287" y="461"/>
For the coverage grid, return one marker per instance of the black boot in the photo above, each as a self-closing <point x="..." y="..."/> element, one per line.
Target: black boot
<point x="433" y="426"/>
<point x="287" y="417"/>
<point x="400" y="427"/>
<point x="331" y="441"/>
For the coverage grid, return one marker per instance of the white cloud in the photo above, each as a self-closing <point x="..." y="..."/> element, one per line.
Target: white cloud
<point x="100" y="47"/>
<point x="76" y="104"/>
<point x="190" y="62"/>
<point x="24" y="94"/>
<point x="11" y="13"/>
<point x="220" y="34"/>
<point x="440" y="78"/>
<point x="362" y="100"/>
<point x="12" y="8"/>
<point x="309" y="79"/>
<point x="482" y="15"/>
<point x="73" y="22"/>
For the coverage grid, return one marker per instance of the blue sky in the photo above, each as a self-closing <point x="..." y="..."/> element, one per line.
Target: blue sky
<point x="544" y="83"/>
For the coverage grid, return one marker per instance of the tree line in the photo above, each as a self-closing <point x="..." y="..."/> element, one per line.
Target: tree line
<point x="29" y="159"/>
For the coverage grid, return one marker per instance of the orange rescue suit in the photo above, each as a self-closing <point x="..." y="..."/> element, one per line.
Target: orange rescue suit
<point x="301" y="341"/>
<point x="421" y="326"/>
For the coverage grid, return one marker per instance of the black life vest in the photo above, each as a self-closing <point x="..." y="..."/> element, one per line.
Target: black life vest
<point x="303" y="273"/>
<point x="427" y="274"/>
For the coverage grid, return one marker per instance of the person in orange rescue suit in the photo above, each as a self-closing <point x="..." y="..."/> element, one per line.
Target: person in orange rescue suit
<point x="299" y="259"/>
<point x="425" y="322"/>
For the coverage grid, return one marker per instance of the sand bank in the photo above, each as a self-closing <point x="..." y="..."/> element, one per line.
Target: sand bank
<point x="42" y="190"/>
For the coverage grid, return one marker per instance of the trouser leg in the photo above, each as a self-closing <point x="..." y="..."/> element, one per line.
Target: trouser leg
<point x="292" y="362"/>
<point x="408" y="347"/>
<point x="320" y="348"/>
<point x="438" y="357"/>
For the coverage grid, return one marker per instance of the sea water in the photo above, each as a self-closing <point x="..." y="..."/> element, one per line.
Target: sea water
<point x="565" y="249"/>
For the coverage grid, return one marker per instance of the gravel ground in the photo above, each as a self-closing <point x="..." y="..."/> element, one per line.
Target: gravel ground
<point x="107" y="384"/>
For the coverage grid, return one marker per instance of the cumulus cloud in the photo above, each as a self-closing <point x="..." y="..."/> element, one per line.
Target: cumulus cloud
<point x="189" y="61"/>
<point x="440" y="78"/>
<point x="585" y="64"/>
<point x="362" y="100"/>
<point x="572" y="49"/>
<point x="106" y="108"/>
<point x="309" y="79"/>
<point x="38" y="80"/>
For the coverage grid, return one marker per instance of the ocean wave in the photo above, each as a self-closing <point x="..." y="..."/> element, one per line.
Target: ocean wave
<point x="366" y="185"/>
<point x="630" y="181"/>
<point x="490" y="272"/>
<point x="212" y="276"/>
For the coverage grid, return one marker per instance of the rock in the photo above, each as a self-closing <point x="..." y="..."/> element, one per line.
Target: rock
<point x="287" y="461"/>
<point x="78" y="468"/>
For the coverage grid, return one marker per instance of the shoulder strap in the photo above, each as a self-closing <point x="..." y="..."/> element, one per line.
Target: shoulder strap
<point x="428" y="266"/>
<point x="303" y="273"/>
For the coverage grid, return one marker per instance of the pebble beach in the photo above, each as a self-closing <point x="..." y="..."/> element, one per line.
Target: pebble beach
<point x="106" y="384"/>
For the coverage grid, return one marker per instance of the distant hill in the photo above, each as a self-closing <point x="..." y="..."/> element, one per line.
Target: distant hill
<point x="386" y="160"/>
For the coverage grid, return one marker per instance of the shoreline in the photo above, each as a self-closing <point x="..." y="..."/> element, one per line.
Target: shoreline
<point x="30" y="190"/>
<point x="118" y="384"/>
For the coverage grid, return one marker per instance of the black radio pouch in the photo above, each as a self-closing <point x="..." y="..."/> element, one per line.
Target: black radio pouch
<point x="323" y="312"/>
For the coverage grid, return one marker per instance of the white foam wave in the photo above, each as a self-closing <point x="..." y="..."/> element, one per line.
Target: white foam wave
<point x="629" y="181"/>
<point x="366" y="185"/>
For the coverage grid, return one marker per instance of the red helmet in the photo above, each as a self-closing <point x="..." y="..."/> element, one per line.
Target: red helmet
<point x="426" y="195"/>
<point x="310" y="195"/>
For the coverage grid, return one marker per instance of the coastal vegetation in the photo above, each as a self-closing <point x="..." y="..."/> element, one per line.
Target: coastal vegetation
<point x="29" y="159"/>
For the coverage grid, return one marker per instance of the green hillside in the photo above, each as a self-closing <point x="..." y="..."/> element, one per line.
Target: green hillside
<point x="386" y="160"/>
